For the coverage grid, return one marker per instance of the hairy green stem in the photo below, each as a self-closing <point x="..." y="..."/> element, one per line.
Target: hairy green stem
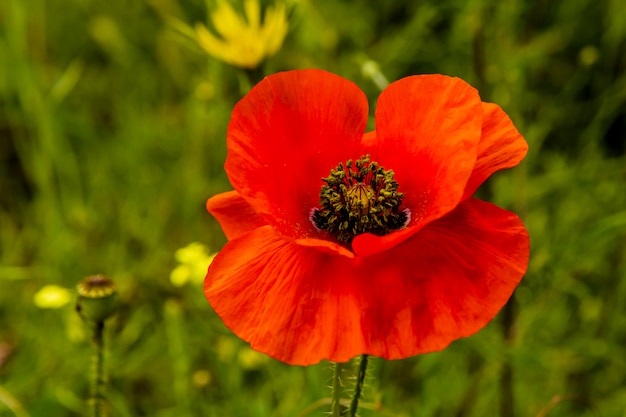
<point x="358" y="387"/>
<point x="98" y="370"/>
<point x="335" y="401"/>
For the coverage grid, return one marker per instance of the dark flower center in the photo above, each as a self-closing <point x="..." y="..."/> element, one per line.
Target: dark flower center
<point x="359" y="197"/>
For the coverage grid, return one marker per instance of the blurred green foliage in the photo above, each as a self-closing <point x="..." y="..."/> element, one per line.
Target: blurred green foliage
<point x="112" y="128"/>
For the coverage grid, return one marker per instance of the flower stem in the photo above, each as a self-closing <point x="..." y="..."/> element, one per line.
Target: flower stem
<point x="507" y="398"/>
<point x="335" y="401"/>
<point x="98" y="370"/>
<point x="358" y="387"/>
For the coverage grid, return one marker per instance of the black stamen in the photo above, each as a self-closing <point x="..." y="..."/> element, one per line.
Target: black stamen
<point x="359" y="197"/>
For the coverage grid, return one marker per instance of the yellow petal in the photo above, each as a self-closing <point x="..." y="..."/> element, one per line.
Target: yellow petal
<point x="226" y="21"/>
<point x="253" y="14"/>
<point x="276" y="27"/>
<point x="213" y="46"/>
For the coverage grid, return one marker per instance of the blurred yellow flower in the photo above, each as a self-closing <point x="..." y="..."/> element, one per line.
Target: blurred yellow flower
<point x="52" y="296"/>
<point x="250" y="359"/>
<point x="194" y="260"/>
<point x="225" y="347"/>
<point x="244" y="42"/>
<point x="201" y="378"/>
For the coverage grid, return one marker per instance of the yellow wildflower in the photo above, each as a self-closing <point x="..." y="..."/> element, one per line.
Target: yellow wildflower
<point x="52" y="296"/>
<point x="244" y="42"/>
<point x="201" y="378"/>
<point x="250" y="359"/>
<point x="194" y="261"/>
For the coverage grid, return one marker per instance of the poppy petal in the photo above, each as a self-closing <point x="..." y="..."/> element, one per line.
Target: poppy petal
<point x="275" y="294"/>
<point x="301" y="305"/>
<point x="428" y="128"/>
<point x="446" y="282"/>
<point x="367" y="244"/>
<point x="287" y="134"/>
<point x="326" y="246"/>
<point x="500" y="147"/>
<point x="234" y="214"/>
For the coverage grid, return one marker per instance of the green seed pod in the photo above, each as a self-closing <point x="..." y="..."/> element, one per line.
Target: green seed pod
<point x="97" y="298"/>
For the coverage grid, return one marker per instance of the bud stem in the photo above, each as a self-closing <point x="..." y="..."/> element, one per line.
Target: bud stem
<point x="98" y="370"/>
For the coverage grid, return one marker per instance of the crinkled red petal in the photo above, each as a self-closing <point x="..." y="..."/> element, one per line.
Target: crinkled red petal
<point x="287" y="134"/>
<point x="446" y="282"/>
<point x="427" y="129"/>
<point x="300" y="305"/>
<point x="500" y="147"/>
<point x="287" y="300"/>
<point x="234" y="214"/>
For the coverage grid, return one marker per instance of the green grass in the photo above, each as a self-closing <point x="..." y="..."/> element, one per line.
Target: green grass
<point x="112" y="136"/>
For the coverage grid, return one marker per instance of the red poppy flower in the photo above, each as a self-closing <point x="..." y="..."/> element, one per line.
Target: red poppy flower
<point x="343" y="242"/>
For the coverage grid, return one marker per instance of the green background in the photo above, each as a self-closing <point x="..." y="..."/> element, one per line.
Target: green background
<point x="112" y="137"/>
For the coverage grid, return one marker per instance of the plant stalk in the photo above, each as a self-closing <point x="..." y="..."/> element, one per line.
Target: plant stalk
<point x="335" y="403"/>
<point x="98" y="370"/>
<point x="358" y="387"/>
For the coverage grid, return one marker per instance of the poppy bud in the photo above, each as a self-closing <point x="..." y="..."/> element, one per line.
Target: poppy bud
<point x="97" y="298"/>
